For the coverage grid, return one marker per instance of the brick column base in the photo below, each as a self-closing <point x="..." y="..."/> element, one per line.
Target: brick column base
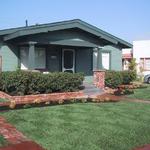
<point x="99" y="78"/>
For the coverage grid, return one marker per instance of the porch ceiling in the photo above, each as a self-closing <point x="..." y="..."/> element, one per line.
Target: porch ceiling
<point x="72" y="42"/>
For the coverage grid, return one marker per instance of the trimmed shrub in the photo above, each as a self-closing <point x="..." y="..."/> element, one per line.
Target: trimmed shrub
<point x="24" y="83"/>
<point x="128" y="76"/>
<point x="115" y="78"/>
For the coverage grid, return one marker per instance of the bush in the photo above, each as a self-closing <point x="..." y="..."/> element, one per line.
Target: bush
<point x="115" y="78"/>
<point x="24" y="83"/>
<point x="128" y="76"/>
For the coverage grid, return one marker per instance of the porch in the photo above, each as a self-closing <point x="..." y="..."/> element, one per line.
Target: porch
<point x="75" y="57"/>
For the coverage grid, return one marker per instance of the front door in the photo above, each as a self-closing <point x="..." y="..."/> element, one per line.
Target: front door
<point x="68" y="60"/>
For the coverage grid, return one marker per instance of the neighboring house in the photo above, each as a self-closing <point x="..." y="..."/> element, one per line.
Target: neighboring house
<point x="141" y="51"/>
<point x="72" y="46"/>
<point x="127" y="55"/>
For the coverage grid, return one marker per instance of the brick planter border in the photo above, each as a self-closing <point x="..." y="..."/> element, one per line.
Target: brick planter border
<point x="40" y="98"/>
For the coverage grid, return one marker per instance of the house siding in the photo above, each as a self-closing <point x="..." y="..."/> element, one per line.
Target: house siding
<point x="84" y="55"/>
<point x="84" y="61"/>
<point x="53" y="64"/>
<point x="9" y="57"/>
<point x="116" y="57"/>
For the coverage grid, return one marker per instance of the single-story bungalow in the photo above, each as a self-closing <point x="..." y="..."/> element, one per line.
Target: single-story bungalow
<point x="67" y="46"/>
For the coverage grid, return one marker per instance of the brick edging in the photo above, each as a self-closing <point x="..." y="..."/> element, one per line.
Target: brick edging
<point x="55" y="98"/>
<point x="39" y="98"/>
<point x="10" y="133"/>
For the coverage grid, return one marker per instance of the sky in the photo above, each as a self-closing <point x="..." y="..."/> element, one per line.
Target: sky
<point x="126" y="19"/>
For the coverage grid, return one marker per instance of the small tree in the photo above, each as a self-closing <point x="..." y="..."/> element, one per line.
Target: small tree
<point x="132" y="64"/>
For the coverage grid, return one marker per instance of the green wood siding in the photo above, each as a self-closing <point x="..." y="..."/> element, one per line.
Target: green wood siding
<point x="9" y="55"/>
<point x="84" y="58"/>
<point x="53" y="58"/>
<point x="115" y="57"/>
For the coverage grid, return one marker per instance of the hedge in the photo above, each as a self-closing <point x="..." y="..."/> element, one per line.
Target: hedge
<point x="115" y="78"/>
<point x="25" y="83"/>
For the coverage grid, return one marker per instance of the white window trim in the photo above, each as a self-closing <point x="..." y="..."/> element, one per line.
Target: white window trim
<point x="103" y="52"/>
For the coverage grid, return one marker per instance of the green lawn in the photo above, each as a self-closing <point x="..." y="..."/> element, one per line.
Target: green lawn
<point x="85" y="126"/>
<point x="141" y="93"/>
<point x="3" y="100"/>
<point x="2" y="141"/>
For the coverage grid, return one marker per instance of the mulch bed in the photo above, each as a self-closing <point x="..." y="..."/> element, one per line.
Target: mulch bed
<point x="145" y="147"/>
<point x="106" y="97"/>
<point x="27" y="145"/>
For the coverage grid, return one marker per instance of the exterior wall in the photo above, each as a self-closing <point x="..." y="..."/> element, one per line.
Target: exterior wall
<point x="9" y="55"/>
<point x="53" y="59"/>
<point x="127" y="51"/>
<point x="141" y="49"/>
<point x="84" y="56"/>
<point x="127" y="55"/>
<point x="115" y="57"/>
<point x="84" y="61"/>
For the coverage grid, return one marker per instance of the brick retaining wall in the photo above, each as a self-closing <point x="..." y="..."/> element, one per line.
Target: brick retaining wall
<point x="39" y="98"/>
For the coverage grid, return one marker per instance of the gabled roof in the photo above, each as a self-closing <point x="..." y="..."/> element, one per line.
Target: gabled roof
<point x="9" y="34"/>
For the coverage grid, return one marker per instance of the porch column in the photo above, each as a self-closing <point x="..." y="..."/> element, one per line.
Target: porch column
<point x="99" y="59"/>
<point x="31" y="55"/>
<point x="99" y="74"/>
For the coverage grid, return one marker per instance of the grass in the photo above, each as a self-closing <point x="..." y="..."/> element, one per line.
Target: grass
<point x="141" y="93"/>
<point x="91" y="126"/>
<point x="3" y="142"/>
<point x="3" y="100"/>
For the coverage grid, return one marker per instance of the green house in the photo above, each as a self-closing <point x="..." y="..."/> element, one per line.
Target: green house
<point x="68" y="46"/>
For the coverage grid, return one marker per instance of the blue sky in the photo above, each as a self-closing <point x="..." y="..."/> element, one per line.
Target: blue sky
<point x="127" y="19"/>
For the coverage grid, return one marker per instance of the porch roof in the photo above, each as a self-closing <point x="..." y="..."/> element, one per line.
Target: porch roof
<point x="22" y="31"/>
<point x="70" y="42"/>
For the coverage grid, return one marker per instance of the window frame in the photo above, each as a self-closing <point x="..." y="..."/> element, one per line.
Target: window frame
<point x="43" y="67"/>
<point x="110" y="55"/>
<point x="143" y="63"/>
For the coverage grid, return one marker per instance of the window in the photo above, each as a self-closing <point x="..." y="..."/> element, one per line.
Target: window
<point x="40" y="58"/>
<point x="145" y="63"/>
<point x="24" y="52"/>
<point x="106" y="60"/>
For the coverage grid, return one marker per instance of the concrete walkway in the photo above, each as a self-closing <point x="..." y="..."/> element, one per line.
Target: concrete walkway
<point x="91" y="89"/>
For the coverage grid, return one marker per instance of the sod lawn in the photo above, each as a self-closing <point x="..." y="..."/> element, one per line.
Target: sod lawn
<point x="3" y="142"/>
<point x="3" y="100"/>
<point x="85" y="126"/>
<point x="141" y="93"/>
